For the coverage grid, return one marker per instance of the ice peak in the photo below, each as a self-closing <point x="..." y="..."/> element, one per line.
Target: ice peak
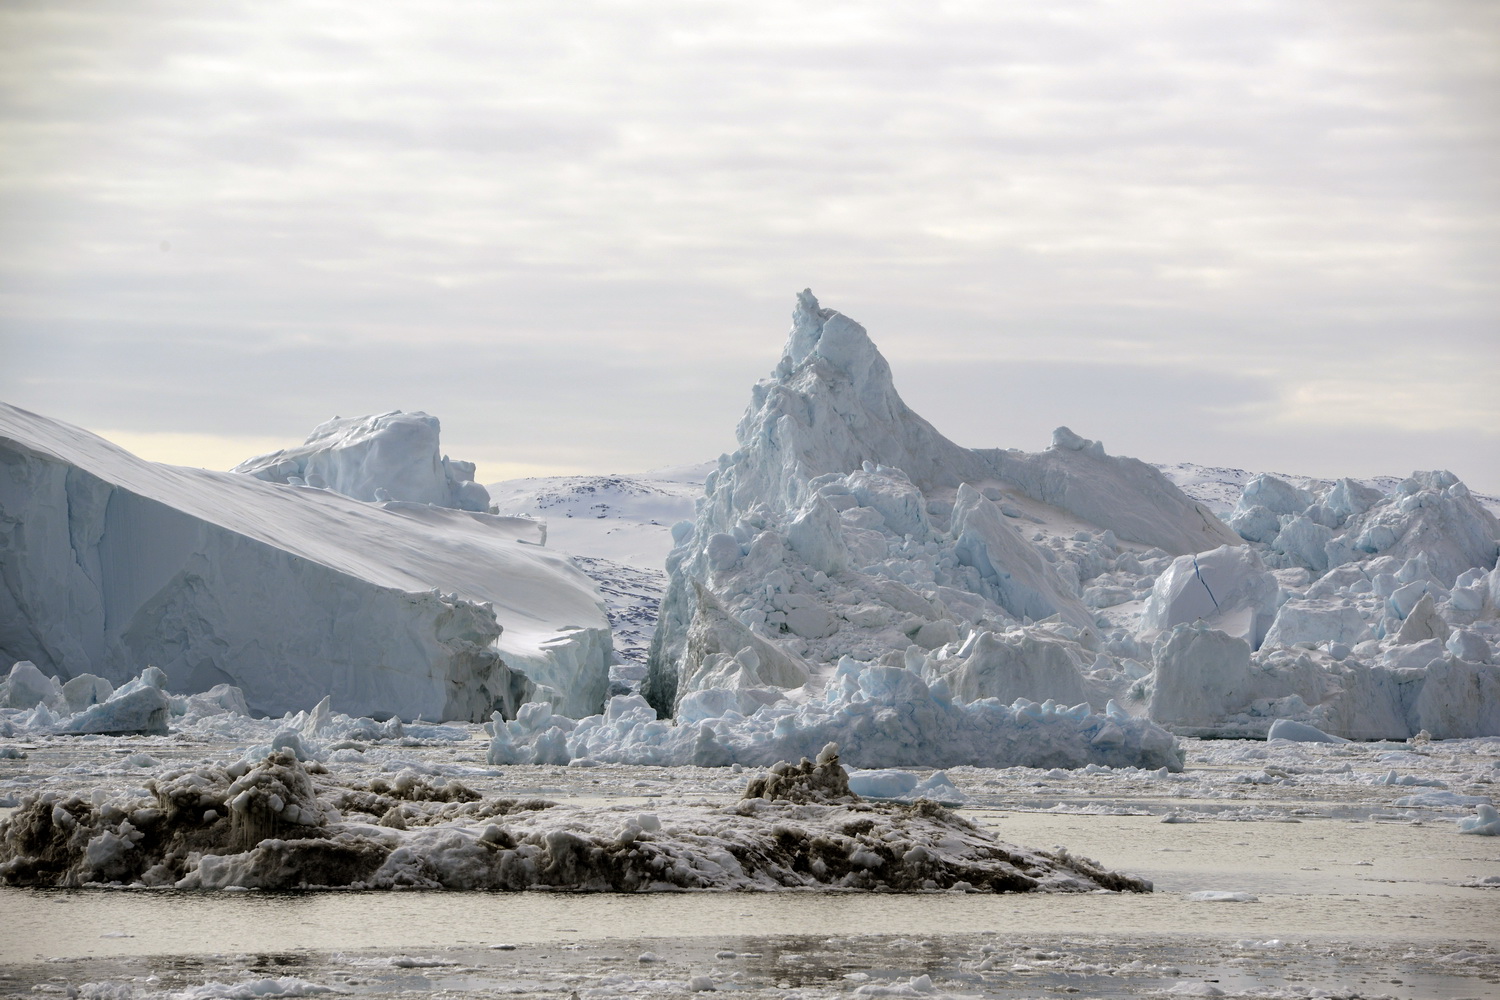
<point x="834" y="337"/>
<point x="1065" y="438"/>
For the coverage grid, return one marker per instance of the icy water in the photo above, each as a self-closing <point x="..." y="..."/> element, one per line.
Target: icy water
<point x="1380" y="879"/>
<point x="1357" y="893"/>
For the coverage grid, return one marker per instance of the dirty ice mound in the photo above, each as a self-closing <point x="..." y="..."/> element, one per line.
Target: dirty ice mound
<point x="281" y="824"/>
<point x="290" y="593"/>
<point x="845" y="529"/>
<point x="386" y="456"/>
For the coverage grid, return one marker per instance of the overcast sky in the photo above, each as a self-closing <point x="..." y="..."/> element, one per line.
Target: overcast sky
<point x="1257" y="234"/>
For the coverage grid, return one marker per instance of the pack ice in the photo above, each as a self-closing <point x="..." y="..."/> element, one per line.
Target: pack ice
<point x="290" y="593"/>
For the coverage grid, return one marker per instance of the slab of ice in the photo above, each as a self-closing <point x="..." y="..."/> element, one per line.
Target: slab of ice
<point x="27" y="687"/>
<point x="1227" y="588"/>
<point x="1221" y="896"/>
<point x="1124" y="495"/>
<point x="289" y="593"/>
<point x="1485" y="822"/>
<point x="881" y="717"/>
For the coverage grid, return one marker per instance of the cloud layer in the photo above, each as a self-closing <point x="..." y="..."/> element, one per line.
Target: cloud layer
<point x="1241" y="233"/>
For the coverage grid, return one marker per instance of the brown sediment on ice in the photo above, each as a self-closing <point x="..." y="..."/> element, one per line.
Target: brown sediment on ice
<point x="284" y="824"/>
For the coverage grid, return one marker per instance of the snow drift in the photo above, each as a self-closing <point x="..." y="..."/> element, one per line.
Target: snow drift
<point x="111" y="564"/>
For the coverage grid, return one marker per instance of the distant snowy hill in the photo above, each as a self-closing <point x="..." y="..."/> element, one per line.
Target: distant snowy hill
<point x="111" y="563"/>
<point x="619" y="529"/>
<point x="626" y="519"/>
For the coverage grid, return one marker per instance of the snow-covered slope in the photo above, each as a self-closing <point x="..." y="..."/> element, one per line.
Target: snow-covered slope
<point x="111" y="563"/>
<point x="387" y="456"/>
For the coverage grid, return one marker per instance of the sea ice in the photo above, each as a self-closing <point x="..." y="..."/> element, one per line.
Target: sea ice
<point x="1485" y="821"/>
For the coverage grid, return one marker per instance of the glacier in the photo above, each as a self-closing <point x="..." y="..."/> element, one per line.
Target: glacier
<point x="290" y="593"/>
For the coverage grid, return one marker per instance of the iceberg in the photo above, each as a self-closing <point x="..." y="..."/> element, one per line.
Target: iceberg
<point x="109" y="563"/>
<point x="845" y="536"/>
<point x="387" y="456"/>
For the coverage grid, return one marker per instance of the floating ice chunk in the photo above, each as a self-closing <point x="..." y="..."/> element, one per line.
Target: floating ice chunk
<point x="28" y="687"/>
<point x="906" y="786"/>
<point x="1440" y="800"/>
<point x="917" y="986"/>
<point x="883" y="784"/>
<point x="1300" y="732"/>
<point x="940" y="788"/>
<point x="253" y="989"/>
<point x="141" y="709"/>
<point x="1218" y="896"/>
<point x="1485" y="822"/>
